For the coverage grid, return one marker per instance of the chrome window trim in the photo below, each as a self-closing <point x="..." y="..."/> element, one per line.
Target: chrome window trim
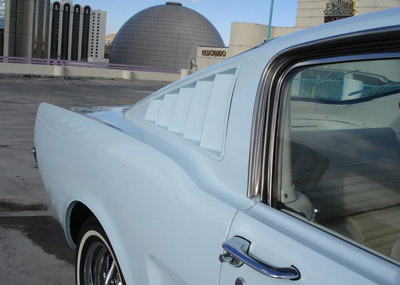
<point x="266" y="108"/>
<point x="343" y="59"/>
<point x="257" y="139"/>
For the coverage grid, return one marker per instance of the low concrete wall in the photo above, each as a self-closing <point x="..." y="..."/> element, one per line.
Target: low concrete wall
<point x="14" y="68"/>
<point x="74" y="71"/>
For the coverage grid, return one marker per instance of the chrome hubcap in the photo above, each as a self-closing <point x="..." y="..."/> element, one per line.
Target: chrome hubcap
<point x="100" y="268"/>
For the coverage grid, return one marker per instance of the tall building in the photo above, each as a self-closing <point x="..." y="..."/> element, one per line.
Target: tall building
<point x="25" y="28"/>
<point x="97" y="35"/>
<point x="1" y="41"/>
<point x="2" y="8"/>
<point x="76" y="32"/>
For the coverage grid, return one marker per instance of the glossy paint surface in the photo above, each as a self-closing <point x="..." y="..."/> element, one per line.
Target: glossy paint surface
<point x="168" y="204"/>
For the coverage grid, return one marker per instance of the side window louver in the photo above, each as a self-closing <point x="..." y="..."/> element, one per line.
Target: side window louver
<point x="196" y="112"/>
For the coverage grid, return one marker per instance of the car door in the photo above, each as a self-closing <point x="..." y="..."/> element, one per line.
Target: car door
<point x="328" y="210"/>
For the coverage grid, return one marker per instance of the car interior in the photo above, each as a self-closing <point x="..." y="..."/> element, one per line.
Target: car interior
<point x="341" y="135"/>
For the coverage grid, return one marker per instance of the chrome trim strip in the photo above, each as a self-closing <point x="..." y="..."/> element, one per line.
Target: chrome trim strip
<point x="263" y="118"/>
<point x="256" y="140"/>
<point x="342" y="59"/>
<point x="259" y="135"/>
<point x="35" y="155"/>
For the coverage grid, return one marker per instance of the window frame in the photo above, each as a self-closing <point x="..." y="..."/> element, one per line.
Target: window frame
<point x="264" y="133"/>
<point x="283" y="87"/>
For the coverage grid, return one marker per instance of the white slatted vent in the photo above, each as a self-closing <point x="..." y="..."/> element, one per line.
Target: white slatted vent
<point x="198" y="112"/>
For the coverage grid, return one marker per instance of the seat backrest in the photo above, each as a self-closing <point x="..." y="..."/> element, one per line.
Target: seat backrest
<point x="345" y="172"/>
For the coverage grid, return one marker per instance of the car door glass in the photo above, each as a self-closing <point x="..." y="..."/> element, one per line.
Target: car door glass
<point x="339" y="151"/>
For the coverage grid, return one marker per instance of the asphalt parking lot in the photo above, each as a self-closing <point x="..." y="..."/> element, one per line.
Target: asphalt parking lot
<point x="32" y="245"/>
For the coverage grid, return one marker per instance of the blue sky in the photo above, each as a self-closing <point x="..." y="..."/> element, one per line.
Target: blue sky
<point x="220" y="12"/>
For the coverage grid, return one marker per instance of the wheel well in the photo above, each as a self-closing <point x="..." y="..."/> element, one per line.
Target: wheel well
<point x="79" y="214"/>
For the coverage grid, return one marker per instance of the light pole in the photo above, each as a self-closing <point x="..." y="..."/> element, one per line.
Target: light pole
<point x="271" y="9"/>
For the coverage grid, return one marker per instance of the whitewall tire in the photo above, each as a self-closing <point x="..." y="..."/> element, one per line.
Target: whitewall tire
<point x="96" y="262"/>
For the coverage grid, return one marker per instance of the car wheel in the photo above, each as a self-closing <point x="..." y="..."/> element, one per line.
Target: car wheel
<point x="96" y="262"/>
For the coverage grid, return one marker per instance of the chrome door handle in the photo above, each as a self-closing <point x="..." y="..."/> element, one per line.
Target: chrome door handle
<point x="237" y="249"/>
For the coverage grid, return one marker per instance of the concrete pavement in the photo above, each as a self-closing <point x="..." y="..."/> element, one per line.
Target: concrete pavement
<point x="32" y="245"/>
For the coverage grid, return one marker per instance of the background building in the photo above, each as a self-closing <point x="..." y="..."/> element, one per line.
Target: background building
<point x="245" y="36"/>
<point x="164" y="35"/>
<point x="97" y="36"/>
<point x="59" y="30"/>
<point x="2" y="8"/>
<point x="76" y="32"/>
<point x="25" y="28"/>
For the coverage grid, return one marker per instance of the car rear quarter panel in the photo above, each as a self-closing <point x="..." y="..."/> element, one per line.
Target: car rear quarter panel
<point x="157" y="208"/>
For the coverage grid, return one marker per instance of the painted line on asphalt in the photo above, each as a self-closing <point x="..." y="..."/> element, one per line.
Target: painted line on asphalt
<point x="26" y="214"/>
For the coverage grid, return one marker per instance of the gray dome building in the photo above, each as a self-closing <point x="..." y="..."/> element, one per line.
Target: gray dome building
<point x="163" y="35"/>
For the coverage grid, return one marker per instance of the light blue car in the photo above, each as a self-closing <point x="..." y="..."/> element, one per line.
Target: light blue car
<point x="278" y="166"/>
